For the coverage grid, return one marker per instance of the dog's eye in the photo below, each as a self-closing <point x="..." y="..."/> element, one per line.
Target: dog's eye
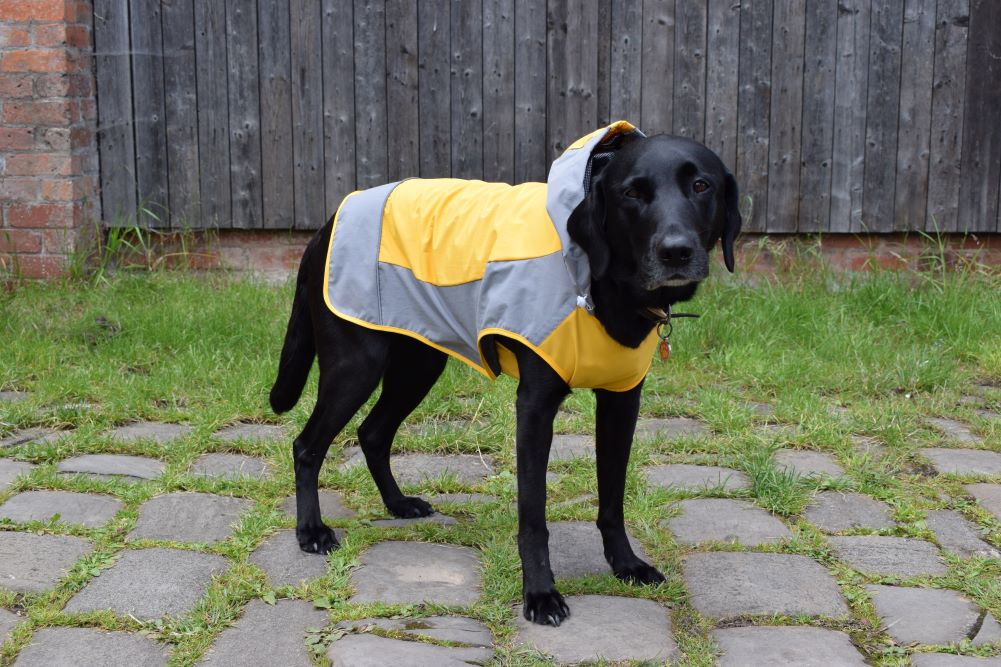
<point x="700" y="186"/>
<point x="632" y="193"/>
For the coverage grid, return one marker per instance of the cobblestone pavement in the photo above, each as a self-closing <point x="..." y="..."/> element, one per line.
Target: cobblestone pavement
<point x="121" y="554"/>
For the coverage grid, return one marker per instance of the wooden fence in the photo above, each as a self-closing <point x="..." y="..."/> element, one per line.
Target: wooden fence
<point x="835" y="115"/>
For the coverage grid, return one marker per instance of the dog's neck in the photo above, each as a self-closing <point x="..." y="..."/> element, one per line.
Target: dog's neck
<point x="625" y="318"/>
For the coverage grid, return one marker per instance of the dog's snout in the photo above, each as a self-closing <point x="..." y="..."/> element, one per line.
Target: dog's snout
<point x="675" y="251"/>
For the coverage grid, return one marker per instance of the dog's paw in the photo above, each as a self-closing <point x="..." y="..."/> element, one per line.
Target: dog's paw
<point x="638" y="572"/>
<point x="546" y="608"/>
<point x="320" y="540"/>
<point x="410" y="507"/>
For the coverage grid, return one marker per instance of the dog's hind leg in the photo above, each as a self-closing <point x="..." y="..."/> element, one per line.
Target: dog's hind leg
<point x="413" y="369"/>
<point x="352" y="361"/>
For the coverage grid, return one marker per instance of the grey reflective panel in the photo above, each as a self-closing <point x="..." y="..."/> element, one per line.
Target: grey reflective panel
<point x="354" y="254"/>
<point x="528" y="296"/>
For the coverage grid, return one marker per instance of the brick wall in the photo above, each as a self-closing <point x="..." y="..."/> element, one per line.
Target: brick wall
<point x="48" y="156"/>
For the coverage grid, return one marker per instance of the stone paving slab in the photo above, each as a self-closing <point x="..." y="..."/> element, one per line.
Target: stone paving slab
<point x="569" y="446"/>
<point x="11" y="470"/>
<point x="948" y="660"/>
<point x="113" y="466"/>
<point x="835" y="511"/>
<point x="31" y="563"/>
<point x="8" y="621"/>
<point x="723" y="520"/>
<point x="158" y="432"/>
<point x="727" y="584"/>
<point x="84" y="509"/>
<point x="865" y="445"/>
<point x="930" y="615"/>
<point x="988" y="496"/>
<point x="414" y="572"/>
<point x="954" y="430"/>
<point x="602" y="627"/>
<point x="696" y="477"/>
<point x="419" y="468"/>
<point x="440" y="426"/>
<point x="440" y="519"/>
<point x="576" y="549"/>
<point x="331" y="506"/>
<point x="250" y="432"/>
<point x="457" y="629"/>
<point x="189" y="517"/>
<point x="34" y="435"/>
<point x="372" y="651"/>
<point x="761" y="410"/>
<point x="150" y="583"/>
<point x="11" y="396"/>
<point x="963" y="461"/>
<point x="800" y="646"/>
<point x="671" y="428"/>
<point x="267" y="635"/>
<point x="808" y="464"/>
<point x="462" y="499"/>
<point x="989" y="415"/>
<point x="897" y="556"/>
<point x="229" y="467"/>
<point x="86" y="647"/>
<point x="957" y="535"/>
<point x="285" y="563"/>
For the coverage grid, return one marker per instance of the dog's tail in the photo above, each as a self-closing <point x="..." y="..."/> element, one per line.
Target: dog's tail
<point x="299" y="348"/>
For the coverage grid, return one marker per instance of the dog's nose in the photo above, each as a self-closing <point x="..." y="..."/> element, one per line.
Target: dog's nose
<point x="675" y="251"/>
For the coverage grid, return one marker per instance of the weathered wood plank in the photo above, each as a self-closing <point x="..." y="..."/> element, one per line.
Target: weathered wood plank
<point x="572" y="108"/>
<point x="690" y="71"/>
<point x="273" y="53"/>
<point x="115" y="130"/>
<point x="914" y="125"/>
<point x="307" y="114"/>
<point x="213" y="114"/>
<point x="848" y="167"/>
<point x="466" y="74"/>
<point x="338" y="102"/>
<point x="244" y="115"/>
<point x="952" y="22"/>
<point x="148" y="103"/>
<point x="371" y="151"/>
<point x="882" y="111"/>
<point x="819" y="59"/>
<point x="626" y="61"/>
<point x="722" y="56"/>
<point x="785" y="122"/>
<point x="978" y="196"/>
<point x="435" y="92"/>
<point x="181" y="106"/>
<point x="754" y="98"/>
<point x="530" y="91"/>
<point x="403" y="128"/>
<point x="657" y="98"/>
<point x="603" y="47"/>
<point x="498" y="90"/>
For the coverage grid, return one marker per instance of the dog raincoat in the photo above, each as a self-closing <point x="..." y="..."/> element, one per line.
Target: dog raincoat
<point x="454" y="262"/>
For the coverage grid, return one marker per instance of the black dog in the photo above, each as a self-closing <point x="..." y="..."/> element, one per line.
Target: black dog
<point x="654" y="208"/>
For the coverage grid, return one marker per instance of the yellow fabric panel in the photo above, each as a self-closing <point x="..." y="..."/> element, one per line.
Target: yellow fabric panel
<point x="446" y="230"/>
<point x="584" y="355"/>
<point x="617" y="127"/>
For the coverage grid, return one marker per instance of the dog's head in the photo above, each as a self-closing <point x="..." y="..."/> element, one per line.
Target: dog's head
<point x="653" y="209"/>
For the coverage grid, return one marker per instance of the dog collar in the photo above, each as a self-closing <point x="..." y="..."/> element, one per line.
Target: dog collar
<point x="663" y="316"/>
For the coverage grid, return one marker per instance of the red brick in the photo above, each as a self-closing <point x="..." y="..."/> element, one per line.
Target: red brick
<point x="62" y="189"/>
<point x="21" y="11"/>
<point x="14" y="36"/>
<point x="38" y="266"/>
<point x="20" y="189"/>
<point x="16" y="138"/>
<point x="14" y="86"/>
<point x="78" y="12"/>
<point x="20" y="241"/>
<point x="40" y="165"/>
<point x="61" y="34"/>
<point x="57" y="241"/>
<point x="54" y="139"/>
<point x="35" y="60"/>
<point x="38" y="112"/>
<point x="64" y="85"/>
<point x="41" y="215"/>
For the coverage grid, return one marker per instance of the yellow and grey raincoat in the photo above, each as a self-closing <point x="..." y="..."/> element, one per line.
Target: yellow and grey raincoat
<point x="450" y="262"/>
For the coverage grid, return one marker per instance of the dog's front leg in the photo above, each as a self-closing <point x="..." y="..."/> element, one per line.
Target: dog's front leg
<point x="540" y="392"/>
<point x="615" y="424"/>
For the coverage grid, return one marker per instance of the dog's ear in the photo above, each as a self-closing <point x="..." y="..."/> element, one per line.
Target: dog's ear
<point x="731" y="227"/>
<point x="586" y="226"/>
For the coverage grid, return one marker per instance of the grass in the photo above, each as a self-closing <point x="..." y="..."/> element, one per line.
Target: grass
<point x="886" y="350"/>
